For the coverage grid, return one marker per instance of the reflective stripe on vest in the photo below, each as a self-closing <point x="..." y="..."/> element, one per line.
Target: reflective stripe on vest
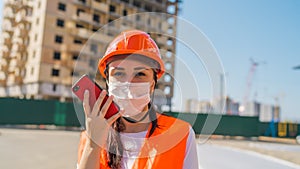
<point x="165" y="148"/>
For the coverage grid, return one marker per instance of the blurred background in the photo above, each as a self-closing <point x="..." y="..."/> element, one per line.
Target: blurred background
<point x="46" y="45"/>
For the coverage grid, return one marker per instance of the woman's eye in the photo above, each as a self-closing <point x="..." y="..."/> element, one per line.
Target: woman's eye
<point x="140" y="74"/>
<point x="118" y="74"/>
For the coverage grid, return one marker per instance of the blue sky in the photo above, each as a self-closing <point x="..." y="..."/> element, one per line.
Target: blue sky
<point x="268" y="32"/>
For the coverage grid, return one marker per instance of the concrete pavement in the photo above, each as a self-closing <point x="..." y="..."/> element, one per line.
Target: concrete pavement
<point x="38" y="149"/>
<point x="285" y="151"/>
<point x="212" y="156"/>
<point x="55" y="149"/>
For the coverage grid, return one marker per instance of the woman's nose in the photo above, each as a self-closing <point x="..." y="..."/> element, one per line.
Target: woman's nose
<point x="130" y="79"/>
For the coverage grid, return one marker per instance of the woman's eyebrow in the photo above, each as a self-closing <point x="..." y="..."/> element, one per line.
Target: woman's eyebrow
<point x="118" y="68"/>
<point x="140" y="68"/>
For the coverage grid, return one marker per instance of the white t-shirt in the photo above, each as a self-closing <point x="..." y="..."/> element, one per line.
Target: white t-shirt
<point x="132" y="143"/>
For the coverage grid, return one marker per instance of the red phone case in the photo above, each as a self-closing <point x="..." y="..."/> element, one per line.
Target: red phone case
<point x="85" y="83"/>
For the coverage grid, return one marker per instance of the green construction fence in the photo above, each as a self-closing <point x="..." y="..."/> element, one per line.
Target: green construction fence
<point x="51" y="112"/>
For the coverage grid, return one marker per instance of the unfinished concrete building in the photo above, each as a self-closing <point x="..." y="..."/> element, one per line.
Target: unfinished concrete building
<point x="42" y="41"/>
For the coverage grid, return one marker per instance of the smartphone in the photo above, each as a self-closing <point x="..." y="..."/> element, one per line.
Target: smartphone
<point x="86" y="83"/>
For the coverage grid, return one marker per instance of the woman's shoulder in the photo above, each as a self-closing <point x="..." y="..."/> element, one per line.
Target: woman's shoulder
<point x="168" y="121"/>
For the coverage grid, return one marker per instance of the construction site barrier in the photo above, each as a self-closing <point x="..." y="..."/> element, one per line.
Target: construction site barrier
<point x="51" y="112"/>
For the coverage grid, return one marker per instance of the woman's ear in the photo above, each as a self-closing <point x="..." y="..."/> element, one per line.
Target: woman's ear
<point x="152" y="86"/>
<point x="154" y="82"/>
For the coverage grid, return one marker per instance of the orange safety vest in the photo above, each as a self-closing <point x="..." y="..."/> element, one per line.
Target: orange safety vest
<point x="165" y="148"/>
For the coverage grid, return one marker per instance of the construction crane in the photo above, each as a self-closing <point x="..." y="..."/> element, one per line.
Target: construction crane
<point x="250" y="76"/>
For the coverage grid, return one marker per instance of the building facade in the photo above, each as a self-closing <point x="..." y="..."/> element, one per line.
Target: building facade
<point x="196" y="106"/>
<point x="250" y="109"/>
<point x="231" y="106"/>
<point x="44" y="40"/>
<point x="269" y="113"/>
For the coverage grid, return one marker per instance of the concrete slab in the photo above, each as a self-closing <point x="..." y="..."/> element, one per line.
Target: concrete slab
<point x="38" y="149"/>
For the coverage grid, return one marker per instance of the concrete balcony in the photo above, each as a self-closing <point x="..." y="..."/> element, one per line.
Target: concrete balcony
<point x="123" y="27"/>
<point x="12" y="64"/>
<point x="129" y="19"/>
<point x="5" y="54"/>
<point x="20" y="47"/>
<point x="10" y="71"/>
<point x="7" y="41"/>
<point x="23" y="19"/>
<point x="164" y="26"/>
<point x="115" y="14"/>
<point x="2" y="83"/>
<point x="101" y="37"/>
<point x="24" y="33"/>
<point x="3" y="62"/>
<point x="17" y="39"/>
<point x="14" y="53"/>
<point x="28" y="4"/>
<point x="10" y="2"/>
<point x="13" y="89"/>
<point x="16" y="63"/>
<point x="46" y="89"/>
<point x="30" y="88"/>
<point x="161" y="40"/>
<point x="64" y="47"/>
<point x="86" y="3"/>
<point x="85" y="50"/>
<point x="153" y="28"/>
<point x="4" y="68"/>
<point x="9" y="16"/>
<point x="85" y="17"/>
<point x="113" y="31"/>
<point x="141" y="25"/>
<point x="7" y="29"/>
<point x="161" y="4"/>
<point x="18" y="79"/>
<point x="81" y="32"/>
<point x="74" y="48"/>
<point x="102" y="7"/>
<point x="67" y="63"/>
<point x="97" y="24"/>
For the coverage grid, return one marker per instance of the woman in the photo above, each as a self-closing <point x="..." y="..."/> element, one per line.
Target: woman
<point x="137" y="137"/>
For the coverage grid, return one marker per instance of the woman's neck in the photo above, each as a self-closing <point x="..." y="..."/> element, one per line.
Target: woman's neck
<point x="132" y="127"/>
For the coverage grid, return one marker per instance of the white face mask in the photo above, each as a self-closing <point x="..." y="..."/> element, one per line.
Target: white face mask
<point x="132" y="97"/>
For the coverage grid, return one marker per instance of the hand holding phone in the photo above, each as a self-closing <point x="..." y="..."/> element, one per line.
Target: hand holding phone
<point x="85" y="83"/>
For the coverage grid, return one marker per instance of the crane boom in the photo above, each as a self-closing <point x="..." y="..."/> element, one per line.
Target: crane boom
<point x="250" y="76"/>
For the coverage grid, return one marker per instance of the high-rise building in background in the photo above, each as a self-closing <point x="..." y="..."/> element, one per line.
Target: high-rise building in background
<point x="265" y="112"/>
<point x="269" y="113"/>
<point x="251" y="108"/>
<point x="192" y="106"/>
<point x="231" y="106"/>
<point x="43" y="39"/>
<point x="196" y="106"/>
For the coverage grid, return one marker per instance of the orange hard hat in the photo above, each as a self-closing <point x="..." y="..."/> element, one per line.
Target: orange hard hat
<point x="132" y="42"/>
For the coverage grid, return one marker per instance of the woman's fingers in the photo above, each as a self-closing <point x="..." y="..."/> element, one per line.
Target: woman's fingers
<point x="114" y="117"/>
<point x="97" y="127"/>
<point x="98" y="103"/>
<point x="97" y="109"/>
<point x="105" y="107"/>
<point x="86" y="104"/>
<point x="105" y="110"/>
